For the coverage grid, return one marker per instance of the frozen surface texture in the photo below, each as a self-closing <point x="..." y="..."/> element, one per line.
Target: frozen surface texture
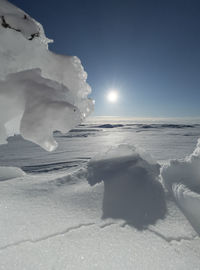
<point x="40" y="91"/>
<point x="7" y="173"/>
<point x="182" y="179"/>
<point x="51" y="218"/>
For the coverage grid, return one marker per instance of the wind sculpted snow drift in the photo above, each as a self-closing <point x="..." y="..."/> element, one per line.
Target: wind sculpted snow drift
<point x="40" y="91"/>
<point x="132" y="190"/>
<point x="134" y="185"/>
<point x="182" y="180"/>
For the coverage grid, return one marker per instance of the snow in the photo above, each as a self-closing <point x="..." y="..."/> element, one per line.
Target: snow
<point x="131" y="187"/>
<point x="52" y="218"/>
<point x="182" y="179"/>
<point x="99" y="201"/>
<point x="40" y="91"/>
<point x="10" y="172"/>
<point x="57" y="224"/>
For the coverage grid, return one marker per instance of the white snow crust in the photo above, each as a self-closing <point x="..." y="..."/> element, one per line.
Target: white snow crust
<point x="181" y="177"/>
<point x="10" y="172"/>
<point x="40" y="91"/>
<point x="133" y="185"/>
<point x="51" y="218"/>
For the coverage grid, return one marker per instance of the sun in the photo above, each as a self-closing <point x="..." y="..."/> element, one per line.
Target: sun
<point x="112" y="96"/>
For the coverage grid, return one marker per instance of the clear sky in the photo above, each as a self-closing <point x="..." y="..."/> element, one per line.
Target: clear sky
<point x="149" y="50"/>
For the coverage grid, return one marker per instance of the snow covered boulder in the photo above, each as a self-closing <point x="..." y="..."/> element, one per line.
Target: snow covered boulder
<point x="132" y="191"/>
<point x="40" y="91"/>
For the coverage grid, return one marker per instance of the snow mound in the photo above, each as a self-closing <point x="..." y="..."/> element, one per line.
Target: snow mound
<point x="10" y="172"/>
<point x="40" y="91"/>
<point x="132" y="191"/>
<point x="182" y="180"/>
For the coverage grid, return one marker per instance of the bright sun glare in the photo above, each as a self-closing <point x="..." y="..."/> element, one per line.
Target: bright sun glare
<point x="112" y="96"/>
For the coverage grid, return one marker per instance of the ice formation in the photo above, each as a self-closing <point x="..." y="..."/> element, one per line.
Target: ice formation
<point x="182" y="180"/>
<point x="40" y="91"/>
<point x="132" y="191"/>
<point x="133" y="185"/>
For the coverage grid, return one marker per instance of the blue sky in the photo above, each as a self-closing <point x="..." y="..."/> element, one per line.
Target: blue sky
<point x="148" y="50"/>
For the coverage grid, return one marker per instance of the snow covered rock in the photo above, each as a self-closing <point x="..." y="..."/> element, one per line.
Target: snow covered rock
<point x="40" y="91"/>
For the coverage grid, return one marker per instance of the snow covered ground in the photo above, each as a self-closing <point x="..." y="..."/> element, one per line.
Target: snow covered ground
<point x="110" y="196"/>
<point x="62" y="213"/>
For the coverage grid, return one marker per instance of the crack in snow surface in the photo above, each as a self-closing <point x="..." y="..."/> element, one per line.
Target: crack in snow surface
<point x="169" y="239"/>
<point x="47" y="236"/>
<point x="160" y="235"/>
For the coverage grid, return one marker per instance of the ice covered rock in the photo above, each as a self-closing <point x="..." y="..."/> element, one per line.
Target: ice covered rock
<point x="40" y="91"/>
